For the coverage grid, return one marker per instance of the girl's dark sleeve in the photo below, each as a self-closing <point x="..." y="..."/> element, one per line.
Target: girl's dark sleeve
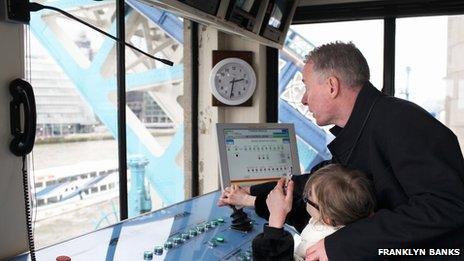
<point x="298" y="217"/>
<point x="273" y="244"/>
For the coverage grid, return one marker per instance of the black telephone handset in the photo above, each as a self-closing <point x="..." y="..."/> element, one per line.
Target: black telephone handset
<point x="23" y="140"/>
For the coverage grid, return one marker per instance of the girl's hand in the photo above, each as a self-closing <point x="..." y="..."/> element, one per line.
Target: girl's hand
<point x="279" y="202"/>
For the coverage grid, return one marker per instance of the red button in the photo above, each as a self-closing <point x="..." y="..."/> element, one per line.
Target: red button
<point x="63" y="258"/>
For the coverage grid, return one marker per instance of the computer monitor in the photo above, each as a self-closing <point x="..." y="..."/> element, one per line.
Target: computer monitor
<point x="252" y="153"/>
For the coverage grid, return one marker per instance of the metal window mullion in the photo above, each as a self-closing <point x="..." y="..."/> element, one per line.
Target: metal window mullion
<point x="389" y="56"/>
<point x="194" y="115"/>
<point x="272" y="84"/>
<point x="121" y="94"/>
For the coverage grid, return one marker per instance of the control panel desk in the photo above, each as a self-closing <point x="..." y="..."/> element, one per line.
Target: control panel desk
<point x="196" y="229"/>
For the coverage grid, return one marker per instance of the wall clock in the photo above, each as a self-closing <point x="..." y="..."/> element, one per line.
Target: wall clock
<point x="232" y="81"/>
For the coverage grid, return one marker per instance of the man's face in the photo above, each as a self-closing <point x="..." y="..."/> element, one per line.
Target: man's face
<point x="317" y="95"/>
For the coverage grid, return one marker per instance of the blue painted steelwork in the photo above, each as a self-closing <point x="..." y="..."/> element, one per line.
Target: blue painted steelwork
<point x="297" y="44"/>
<point x="138" y="192"/>
<point x="164" y="174"/>
<point x="310" y="133"/>
<point x="312" y="140"/>
<point x="286" y="75"/>
<point x="170" y="23"/>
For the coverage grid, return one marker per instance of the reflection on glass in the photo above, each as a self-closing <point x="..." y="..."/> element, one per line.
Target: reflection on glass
<point x="76" y="184"/>
<point x="154" y="116"/>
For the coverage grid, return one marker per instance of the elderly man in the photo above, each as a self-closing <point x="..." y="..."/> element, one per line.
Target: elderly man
<point x="414" y="161"/>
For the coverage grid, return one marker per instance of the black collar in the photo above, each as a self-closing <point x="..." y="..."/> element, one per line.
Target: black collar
<point x="345" y="137"/>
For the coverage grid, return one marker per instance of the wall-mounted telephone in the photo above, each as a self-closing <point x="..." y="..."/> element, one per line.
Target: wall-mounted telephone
<point x="23" y="140"/>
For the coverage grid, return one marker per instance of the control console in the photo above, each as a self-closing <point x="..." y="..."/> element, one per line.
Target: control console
<point x="196" y="229"/>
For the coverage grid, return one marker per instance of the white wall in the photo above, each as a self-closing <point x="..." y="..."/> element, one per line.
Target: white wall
<point x="211" y="39"/>
<point x="13" y="237"/>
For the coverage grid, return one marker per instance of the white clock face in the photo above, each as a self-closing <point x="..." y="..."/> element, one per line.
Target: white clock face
<point x="233" y="81"/>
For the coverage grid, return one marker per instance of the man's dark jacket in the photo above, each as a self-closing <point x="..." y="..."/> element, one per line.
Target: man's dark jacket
<point x="417" y="169"/>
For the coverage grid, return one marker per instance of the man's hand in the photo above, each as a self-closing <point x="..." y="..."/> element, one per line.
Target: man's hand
<point x="237" y="196"/>
<point x="317" y="252"/>
<point x="279" y="202"/>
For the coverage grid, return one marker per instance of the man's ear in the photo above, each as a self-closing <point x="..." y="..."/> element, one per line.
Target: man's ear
<point x="334" y="86"/>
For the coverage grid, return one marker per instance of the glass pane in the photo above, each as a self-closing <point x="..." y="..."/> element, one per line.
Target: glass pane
<point x="154" y="116"/>
<point x="75" y="159"/>
<point x="301" y="39"/>
<point x="370" y="44"/>
<point x="429" y="67"/>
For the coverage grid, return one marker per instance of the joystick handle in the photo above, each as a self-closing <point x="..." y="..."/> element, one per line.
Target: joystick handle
<point x="240" y="220"/>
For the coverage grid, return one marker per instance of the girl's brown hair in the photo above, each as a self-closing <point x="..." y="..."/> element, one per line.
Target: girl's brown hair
<point x="343" y="195"/>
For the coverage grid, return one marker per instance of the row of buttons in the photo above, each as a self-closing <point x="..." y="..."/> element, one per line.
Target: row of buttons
<point x="192" y="233"/>
<point x="182" y="237"/>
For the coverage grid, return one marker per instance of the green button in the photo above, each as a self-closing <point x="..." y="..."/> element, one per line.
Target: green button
<point x="220" y="220"/>
<point x="158" y="250"/>
<point x="168" y="245"/>
<point x="211" y="243"/>
<point x="147" y="255"/>
<point x="177" y="240"/>
<point x="220" y="239"/>
<point x="200" y="228"/>
<point x="193" y="232"/>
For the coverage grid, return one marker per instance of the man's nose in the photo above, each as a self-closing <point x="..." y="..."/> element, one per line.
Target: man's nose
<point x="303" y="99"/>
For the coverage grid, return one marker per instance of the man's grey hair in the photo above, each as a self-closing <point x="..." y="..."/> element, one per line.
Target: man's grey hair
<point x="344" y="60"/>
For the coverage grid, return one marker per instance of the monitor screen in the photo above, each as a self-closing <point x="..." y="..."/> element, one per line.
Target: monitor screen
<point x="277" y="13"/>
<point x="256" y="153"/>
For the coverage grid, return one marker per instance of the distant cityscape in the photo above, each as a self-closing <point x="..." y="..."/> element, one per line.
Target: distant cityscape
<point x="62" y="111"/>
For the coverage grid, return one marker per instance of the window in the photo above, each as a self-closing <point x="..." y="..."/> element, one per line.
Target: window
<point x="155" y="147"/>
<point x="429" y="67"/>
<point x="370" y="44"/>
<point x="77" y="128"/>
<point x="77" y="118"/>
<point x="300" y="40"/>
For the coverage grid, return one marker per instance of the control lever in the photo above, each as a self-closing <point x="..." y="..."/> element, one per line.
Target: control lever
<point x="240" y="220"/>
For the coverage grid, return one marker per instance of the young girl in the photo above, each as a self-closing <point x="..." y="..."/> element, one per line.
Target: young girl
<point x="334" y="195"/>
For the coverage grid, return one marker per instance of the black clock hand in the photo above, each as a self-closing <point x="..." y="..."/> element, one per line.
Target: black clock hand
<point x="232" y="88"/>
<point x="237" y="80"/>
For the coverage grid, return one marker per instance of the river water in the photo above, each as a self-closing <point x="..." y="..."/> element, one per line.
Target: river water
<point x="82" y="220"/>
